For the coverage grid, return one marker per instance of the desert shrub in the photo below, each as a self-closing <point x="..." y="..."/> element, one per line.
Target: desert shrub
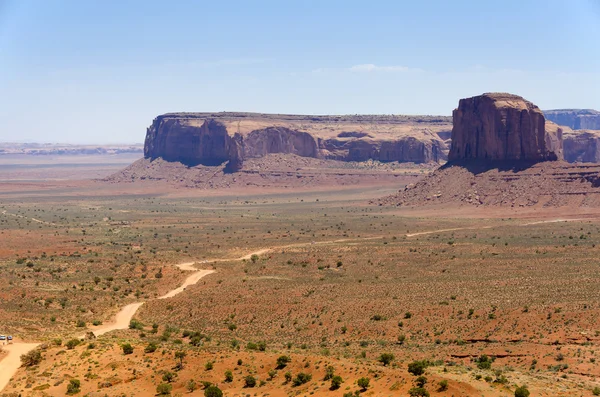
<point x="180" y="355"/>
<point x="72" y="343"/>
<point x="596" y="391"/>
<point x="301" y="379"/>
<point x="252" y="346"/>
<point x="288" y="377"/>
<point x="386" y="358"/>
<point x="443" y="385"/>
<point x="80" y="323"/>
<point x="272" y="373"/>
<point x="74" y="386"/>
<point x="401" y="339"/>
<point x="31" y="358"/>
<point x="249" y="381"/>
<point x="418" y="392"/>
<point x="336" y="382"/>
<point x="417" y="368"/>
<point x="168" y="376"/>
<point x="377" y="317"/>
<point x="329" y="372"/>
<point x="484" y="362"/>
<point x="228" y="376"/>
<point x="521" y="392"/>
<point x="151" y="348"/>
<point x="208" y="366"/>
<point x="363" y="383"/>
<point x="213" y="391"/>
<point x="164" y="389"/>
<point x="135" y="324"/>
<point x="421" y="381"/>
<point x="191" y="385"/>
<point x="127" y="348"/>
<point x="282" y="361"/>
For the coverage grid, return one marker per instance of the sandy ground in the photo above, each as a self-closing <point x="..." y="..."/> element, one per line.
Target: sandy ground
<point x="12" y="361"/>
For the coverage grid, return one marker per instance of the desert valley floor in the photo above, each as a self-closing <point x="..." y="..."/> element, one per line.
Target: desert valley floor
<point x="484" y="300"/>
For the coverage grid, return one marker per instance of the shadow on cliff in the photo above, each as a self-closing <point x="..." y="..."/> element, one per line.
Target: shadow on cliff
<point x="477" y="167"/>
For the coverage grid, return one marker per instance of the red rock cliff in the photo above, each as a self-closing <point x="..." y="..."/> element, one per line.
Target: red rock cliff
<point x="501" y="127"/>
<point x="213" y="139"/>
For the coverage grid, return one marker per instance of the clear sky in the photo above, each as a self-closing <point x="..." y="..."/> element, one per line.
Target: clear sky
<point x="88" y="71"/>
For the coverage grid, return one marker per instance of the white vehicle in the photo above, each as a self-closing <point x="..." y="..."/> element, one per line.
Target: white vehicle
<point x="2" y="337"/>
<point x="9" y="337"/>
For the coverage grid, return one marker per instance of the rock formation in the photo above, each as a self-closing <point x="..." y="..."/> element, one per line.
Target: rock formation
<point x="576" y="119"/>
<point x="214" y="139"/>
<point x="498" y="157"/>
<point x="501" y="127"/>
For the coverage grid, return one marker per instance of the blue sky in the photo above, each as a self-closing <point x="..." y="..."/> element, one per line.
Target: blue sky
<point x="100" y="71"/>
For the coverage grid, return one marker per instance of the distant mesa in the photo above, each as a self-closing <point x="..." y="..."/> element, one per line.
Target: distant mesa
<point x="232" y="138"/>
<point x="576" y="119"/>
<point x="500" y="127"/>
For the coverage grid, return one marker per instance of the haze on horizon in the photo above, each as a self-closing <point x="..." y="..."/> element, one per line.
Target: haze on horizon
<point x="99" y="72"/>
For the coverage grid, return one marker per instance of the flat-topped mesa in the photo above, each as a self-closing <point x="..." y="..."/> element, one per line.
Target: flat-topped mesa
<point x="217" y="138"/>
<point x="500" y="127"/>
<point x="576" y="119"/>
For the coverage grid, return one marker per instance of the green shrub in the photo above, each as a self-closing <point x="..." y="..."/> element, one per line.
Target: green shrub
<point x="596" y="391"/>
<point x="282" y="361"/>
<point x="74" y="386"/>
<point x="443" y="385"/>
<point x="301" y="379"/>
<point x="386" y="358"/>
<point x="228" y="376"/>
<point x="31" y="358"/>
<point x="484" y="362"/>
<point x="336" y="382"/>
<point x="164" y="389"/>
<point x="249" y="381"/>
<point x="521" y="392"/>
<point x="418" y="392"/>
<point x="417" y="368"/>
<point x="213" y="391"/>
<point x="72" y="343"/>
<point x="363" y="383"/>
<point x="151" y="348"/>
<point x="127" y="348"/>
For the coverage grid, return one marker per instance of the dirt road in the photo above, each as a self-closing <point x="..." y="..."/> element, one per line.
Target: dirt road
<point x="11" y="363"/>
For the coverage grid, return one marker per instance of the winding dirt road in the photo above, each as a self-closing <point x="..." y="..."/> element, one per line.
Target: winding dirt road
<point x="12" y="361"/>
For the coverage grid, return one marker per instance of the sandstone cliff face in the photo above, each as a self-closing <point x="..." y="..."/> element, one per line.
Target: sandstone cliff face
<point x="582" y="146"/>
<point x="576" y="119"/>
<point x="213" y="139"/>
<point x="501" y="127"/>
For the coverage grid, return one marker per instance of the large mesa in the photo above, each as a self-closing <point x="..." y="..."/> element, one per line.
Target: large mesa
<point x="502" y="127"/>
<point x="218" y="138"/>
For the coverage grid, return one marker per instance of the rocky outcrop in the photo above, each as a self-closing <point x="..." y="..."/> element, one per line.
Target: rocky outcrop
<point x="501" y="127"/>
<point x="576" y="119"/>
<point x="231" y="138"/>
